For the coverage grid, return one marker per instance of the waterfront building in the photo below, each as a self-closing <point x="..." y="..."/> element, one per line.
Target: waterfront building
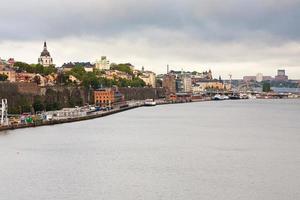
<point x="102" y="64"/>
<point x="281" y="76"/>
<point x="45" y="59"/>
<point x="169" y="83"/>
<point x="183" y="82"/>
<point x="104" y="97"/>
<point x="179" y="84"/>
<point x="187" y="83"/>
<point x="107" y="97"/>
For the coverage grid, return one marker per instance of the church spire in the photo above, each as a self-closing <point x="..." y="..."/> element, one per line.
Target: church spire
<point x="45" y="45"/>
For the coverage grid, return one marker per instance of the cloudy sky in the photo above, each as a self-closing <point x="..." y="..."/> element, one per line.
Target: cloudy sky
<point x="241" y="37"/>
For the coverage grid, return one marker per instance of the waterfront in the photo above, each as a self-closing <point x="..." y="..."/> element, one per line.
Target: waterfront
<point x="209" y="150"/>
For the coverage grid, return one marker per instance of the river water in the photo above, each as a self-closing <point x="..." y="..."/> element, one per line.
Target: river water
<point x="210" y="150"/>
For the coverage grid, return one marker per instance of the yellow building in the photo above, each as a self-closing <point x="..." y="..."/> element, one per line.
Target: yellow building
<point x="149" y="78"/>
<point x="10" y="73"/>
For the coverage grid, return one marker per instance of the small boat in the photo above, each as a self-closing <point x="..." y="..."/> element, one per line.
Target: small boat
<point x="234" y="97"/>
<point x="217" y="97"/>
<point x="149" y="102"/>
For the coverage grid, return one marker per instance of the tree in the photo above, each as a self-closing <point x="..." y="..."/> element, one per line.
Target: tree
<point x="3" y="77"/>
<point x="38" y="105"/>
<point x="123" y="68"/>
<point x="266" y="87"/>
<point x="22" y="66"/>
<point x="78" y="72"/>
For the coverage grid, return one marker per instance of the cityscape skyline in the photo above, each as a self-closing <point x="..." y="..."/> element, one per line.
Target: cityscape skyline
<point x="174" y="68"/>
<point x="240" y="38"/>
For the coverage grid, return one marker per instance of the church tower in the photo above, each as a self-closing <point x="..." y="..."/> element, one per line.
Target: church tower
<point x="45" y="58"/>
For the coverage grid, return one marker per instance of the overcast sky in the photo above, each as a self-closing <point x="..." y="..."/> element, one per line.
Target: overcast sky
<point x="242" y="37"/>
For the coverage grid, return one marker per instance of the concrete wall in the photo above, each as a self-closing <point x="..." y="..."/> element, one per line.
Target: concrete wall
<point x="142" y="93"/>
<point x="23" y="96"/>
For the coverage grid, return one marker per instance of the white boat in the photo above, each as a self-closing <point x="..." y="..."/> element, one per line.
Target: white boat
<point x="218" y="97"/>
<point x="149" y="102"/>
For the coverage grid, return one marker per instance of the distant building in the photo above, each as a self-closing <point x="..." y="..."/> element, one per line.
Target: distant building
<point x="203" y="76"/>
<point x="10" y="73"/>
<point x="149" y="78"/>
<point x="88" y="67"/>
<point x="11" y="62"/>
<point x="259" y="77"/>
<point x="102" y="64"/>
<point x="249" y="78"/>
<point x="267" y="78"/>
<point x="206" y="85"/>
<point x="73" y="79"/>
<point x="183" y="83"/>
<point x="45" y="58"/>
<point x="281" y="75"/>
<point x="115" y="74"/>
<point x="107" y="97"/>
<point x="169" y="83"/>
<point x="25" y="77"/>
<point x="187" y="84"/>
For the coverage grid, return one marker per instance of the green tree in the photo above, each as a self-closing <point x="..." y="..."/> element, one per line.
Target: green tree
<point x="22" y="66"/>
<point x="266" y="87"/>
<point x="38" y="105"/>
<point x="123" y="68"/>
<point x="78" y="72"/>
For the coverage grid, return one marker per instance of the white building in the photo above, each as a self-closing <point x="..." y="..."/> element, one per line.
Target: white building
<point x="149" y="78"/>
<point x="187" y="83"/>
<point x="45" y="58"/>
<point x="102" y="64"/>
<point x="259" y="77"/>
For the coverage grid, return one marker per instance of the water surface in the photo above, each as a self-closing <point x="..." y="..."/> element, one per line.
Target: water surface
<point x="209" y="150"/>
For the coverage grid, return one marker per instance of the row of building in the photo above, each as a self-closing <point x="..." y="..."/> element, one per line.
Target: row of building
<point x="280" y="77"/>
<point x="45" y="59"/>
<point x="191" y="82"/>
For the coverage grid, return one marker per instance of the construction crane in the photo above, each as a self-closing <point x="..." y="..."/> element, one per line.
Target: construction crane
<point x="3" y="112"/>
<point x="230" y="80"/>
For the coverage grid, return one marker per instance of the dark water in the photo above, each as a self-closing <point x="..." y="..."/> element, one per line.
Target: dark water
<point x="211" y="150"/>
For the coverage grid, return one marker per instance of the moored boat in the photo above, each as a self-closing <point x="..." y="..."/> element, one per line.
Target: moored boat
<point x="149" y="102"/>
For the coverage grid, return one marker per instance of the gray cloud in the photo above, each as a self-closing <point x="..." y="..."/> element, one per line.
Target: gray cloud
<point x="186" y="32"/>
<point x="215" y="20"/>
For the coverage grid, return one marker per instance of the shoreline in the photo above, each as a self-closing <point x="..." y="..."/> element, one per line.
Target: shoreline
<point x="89" y="117"/>
<point x="84" y="118"/>
<point x="68" y="120"/>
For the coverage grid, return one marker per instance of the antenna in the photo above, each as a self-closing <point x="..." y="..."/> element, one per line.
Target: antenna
<point x="230" y="80"/>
